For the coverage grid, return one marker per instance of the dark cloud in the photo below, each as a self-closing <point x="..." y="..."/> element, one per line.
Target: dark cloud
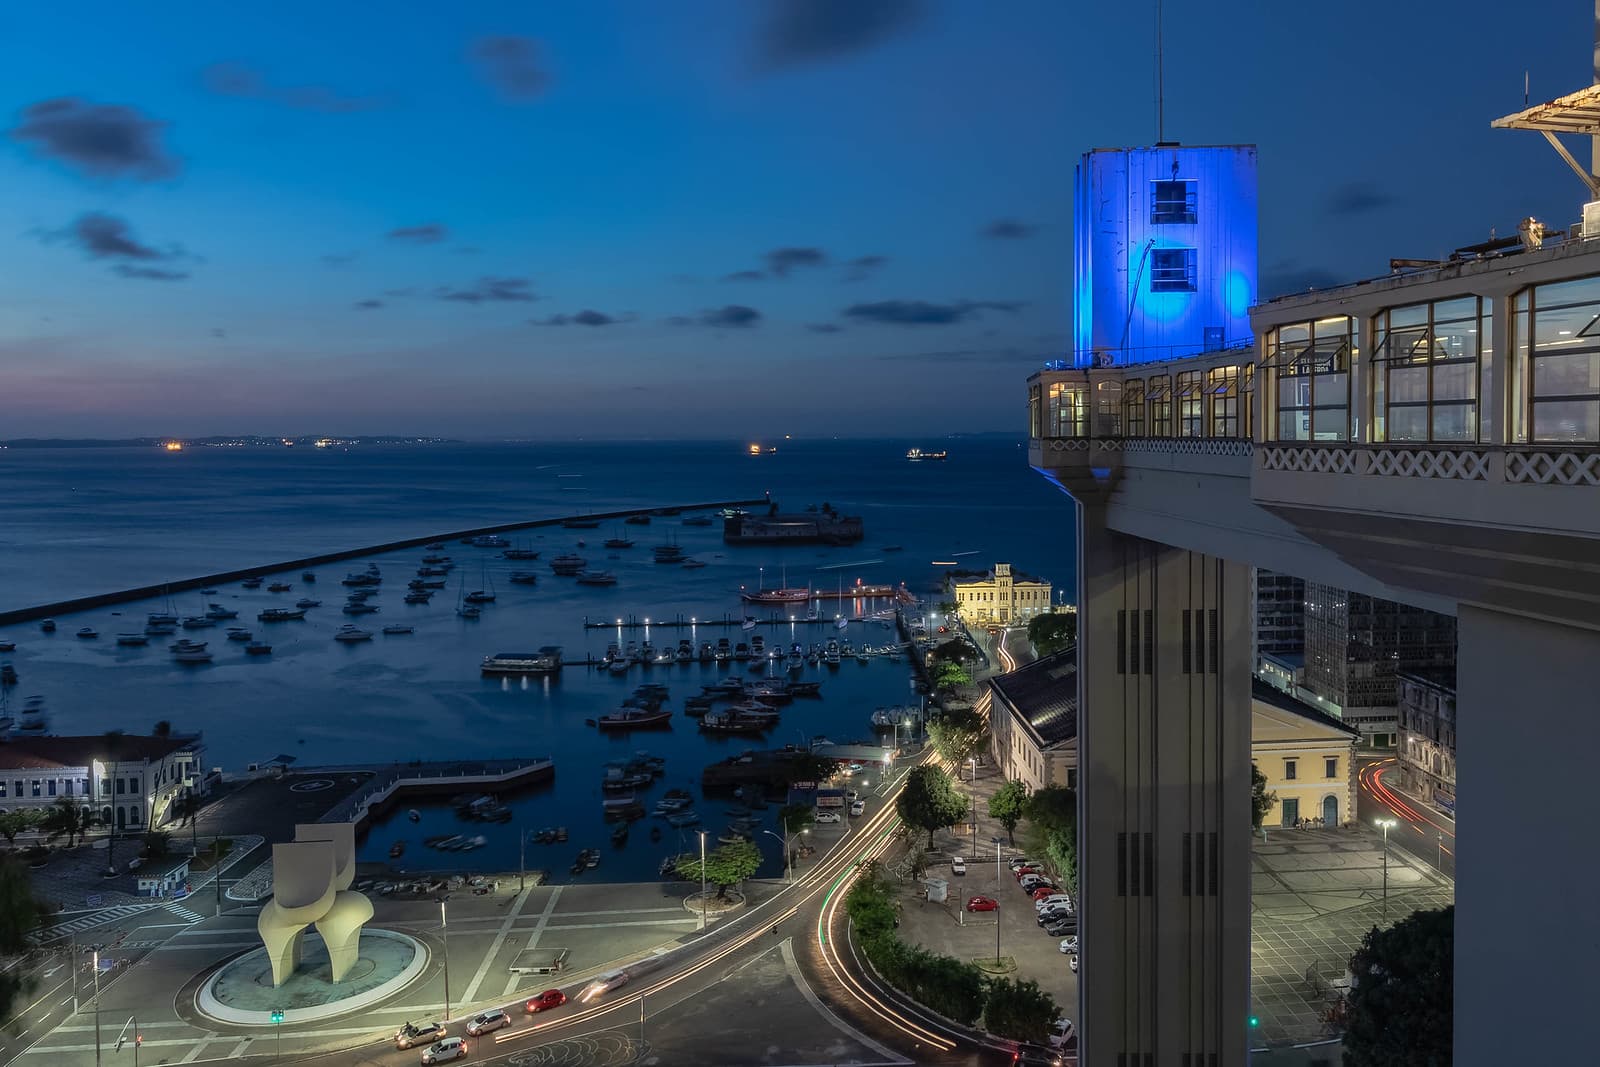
<point x="745" y="276"/>
<point x="922" y="313"/>
<point x="1357" y="198"/>
<point x="1291" y="276"/>
<point x="729" y="316"/>
<point x="338" y="259"/>
<point x="809" y="31"/>
<point x="491" y="290"/>
<point x="218" y="332"/>
<point x="104" y="236"/>
<point x="427" y="234"/>
<point x="511" y="65"/>
<point x="780" y="261"/>
<point x="152" y="274"/>
<point x="236" y="79"/>
<point x="824" y="327"/>
<point x="970" y="355"/>
<point x="1009" y="230"/>
<point x="104" y="140"/>
<point x="586" y="317"/>
<point x="863" y="267"/>
<point x="368" y="305"/>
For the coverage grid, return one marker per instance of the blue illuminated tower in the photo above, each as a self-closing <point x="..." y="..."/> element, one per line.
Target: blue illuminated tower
<point x="1165" y="249"/>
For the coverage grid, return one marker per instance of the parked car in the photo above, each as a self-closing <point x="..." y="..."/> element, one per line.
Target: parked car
<point x="982" y="904"/>
<point x="1062" y="927"/>
<point x="488" y="1022"/>
<point x="1072" y="961"/>
<point x="958" y="865"/>
<point x="1061" y="1033"/>
<point x="451" y="1048"/>
<point x="1055" y="915"/>
<point x="1053" y="899"/>
<point x="604" y="984"/>
<point x="550" y="998"/>
<point x="1019" y="861"/>
<point x="1026" y="869"/>
<point x="1045" y="892"/>
<point x="858" y="807"/>
<point x="1069" y="945"/>
<point x="1030" y="882"/>
<point x="827" y="816"/>
<point x="413" y="1034"/>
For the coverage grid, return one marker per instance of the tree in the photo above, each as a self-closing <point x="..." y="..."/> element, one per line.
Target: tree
<point x="727" y="866"/>
<point x="928" y="802"/>
<point x="1053" y="632"/>
<point x="1399" y="1012"/>
<point x="810" y="767"/>
<point x="1019" y="1010"/>
<point x="1054" y="814"/>
<point x="796" y="817"/>
<point x="157" y="844"/>
<point x="15" y="822"/>
<point x="20" y="912"/>
<point x="958" y="734"/>
<point x="66" y="819"/>
<point x="1261" y="801"/>
<point x="954" y="650"/>
<point x="162" y="729"/>
<point x="949" y="675"/>
<point x="1006" y="806"/>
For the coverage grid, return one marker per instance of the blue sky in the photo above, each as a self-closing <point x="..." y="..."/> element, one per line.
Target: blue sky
<point x="547" y="220"/>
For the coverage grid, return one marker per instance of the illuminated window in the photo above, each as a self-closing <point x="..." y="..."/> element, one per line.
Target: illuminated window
<point x="1133" y="408"/>
<point x="1427" y="358"/>
<point x="1222" y="400"/>
<point x="1310" y="362"/>
<point x="1172" y="201"/>
<point x="1160" y="399"/>
<point x="1189" y="403"/>
<point x="1172" y="270"/>
<point x="1556" y="382"/>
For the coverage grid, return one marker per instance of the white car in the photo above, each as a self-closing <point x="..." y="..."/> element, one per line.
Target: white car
<point x="1018" y="862"/>
<point x="1030" y="882"/>
<point x="1061" y="1033"/>
<point x="1072" y="961"/>
<point x="858" y="807"/>
<point x="958" y="865"/>
<point x="827" y="816"/>
<point x="604" y="984"/>
<point x="1060" y="900"/>
<point x="1069" y="947"/>
<point x="451" y="1048"/>
<point x="488" y="1022"/>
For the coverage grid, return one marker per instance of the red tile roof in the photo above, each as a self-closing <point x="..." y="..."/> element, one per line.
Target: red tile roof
<point x="46" y="753"/>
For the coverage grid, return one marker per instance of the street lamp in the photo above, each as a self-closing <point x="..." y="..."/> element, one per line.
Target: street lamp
<point x="444" y="930"/>
<point x="1386" y="824"/>
<point x="702" y="879"/>
<point x="997" y="885"/>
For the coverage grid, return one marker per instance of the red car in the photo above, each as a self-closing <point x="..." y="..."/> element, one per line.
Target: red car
<point x="550" y="998"/>
<point x="1045" y="891"/>
<point x="1020" y="872"/>
<point x="982" y="904"/>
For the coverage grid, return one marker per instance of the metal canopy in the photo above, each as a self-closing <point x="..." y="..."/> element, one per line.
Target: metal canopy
<point x="1577" y="112"/>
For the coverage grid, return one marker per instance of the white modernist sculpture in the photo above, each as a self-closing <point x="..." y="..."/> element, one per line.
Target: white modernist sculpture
<point x="311" y="885"/>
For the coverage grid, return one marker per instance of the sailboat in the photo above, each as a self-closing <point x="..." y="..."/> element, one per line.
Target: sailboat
<point x="482" y="596"/>
<point x="781" y="595"/>
<point x="464" y="609"/>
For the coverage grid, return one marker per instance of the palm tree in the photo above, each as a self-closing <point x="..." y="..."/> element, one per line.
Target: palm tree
<point x="66" y="819"/>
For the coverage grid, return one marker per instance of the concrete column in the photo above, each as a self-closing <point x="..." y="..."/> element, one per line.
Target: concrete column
<point x="1164" y="639"/>
<point x="1527" y="730"/>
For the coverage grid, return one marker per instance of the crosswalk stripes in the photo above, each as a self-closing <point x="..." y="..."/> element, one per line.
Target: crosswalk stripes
<point x="184" y="913"/>
<point x="99" y="918"/>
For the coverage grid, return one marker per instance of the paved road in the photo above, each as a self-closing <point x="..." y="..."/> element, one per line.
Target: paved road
<point x="1420" y="829"/>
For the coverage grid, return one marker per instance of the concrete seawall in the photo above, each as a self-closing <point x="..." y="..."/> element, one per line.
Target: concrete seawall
<point x="123" y="596"/>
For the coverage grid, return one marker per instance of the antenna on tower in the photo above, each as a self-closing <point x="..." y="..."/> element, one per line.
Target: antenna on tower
<point x="1161" y="92"/>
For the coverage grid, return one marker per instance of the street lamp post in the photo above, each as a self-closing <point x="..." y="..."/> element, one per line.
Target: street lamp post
<point x="522" y="859"/>
<point x="444" y="930"/>
<point x="997" y="885"/>
<point x="788" y="867"/>
<point x="702" y="879"/>
<point x="1386" y="824"/>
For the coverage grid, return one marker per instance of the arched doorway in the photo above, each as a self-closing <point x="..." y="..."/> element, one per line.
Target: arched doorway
<point x="122" y="817"/>
<point x="1330" y="810"/>
<point x="105" y="816"/>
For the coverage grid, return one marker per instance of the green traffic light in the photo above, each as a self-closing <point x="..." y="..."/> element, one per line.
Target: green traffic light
<point x="1255" y="1021"/>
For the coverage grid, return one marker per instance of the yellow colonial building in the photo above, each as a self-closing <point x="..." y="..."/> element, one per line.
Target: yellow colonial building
<point x="1308" y="757"/>
<point x="1000" y="596"/>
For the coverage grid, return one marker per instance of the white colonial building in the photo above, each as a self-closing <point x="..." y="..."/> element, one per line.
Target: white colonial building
<point x="131" y="782"/>
<point x="1001" y="596"/>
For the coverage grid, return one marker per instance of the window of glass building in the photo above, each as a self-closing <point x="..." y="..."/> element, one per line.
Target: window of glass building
<point x="1067" y="414"/>
<point x="1159" y="393"/>
<point x="1247" y="400"/>
<point x="1425" y="363"/>
<point x="1310" y="364"/>
<point x="1190" y="401"/>
<point x="1035" y="416"/>
<point x="1556" y="379"/>
<point x="1172" y="270"/>
<point x="1172" y="201"/>
<point x="1222" y="400"/>
<point x="1133" y="408"/>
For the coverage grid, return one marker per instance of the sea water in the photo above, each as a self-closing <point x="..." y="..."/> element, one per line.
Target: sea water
<point x="85" y="521"/>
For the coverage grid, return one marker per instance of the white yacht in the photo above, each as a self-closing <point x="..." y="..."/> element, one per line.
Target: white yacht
<point x="350" y="633"/>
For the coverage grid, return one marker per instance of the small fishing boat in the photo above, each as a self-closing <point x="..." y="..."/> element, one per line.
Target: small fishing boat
<point x="48" y="626"/>
<point x="307" y="602"/>
<point x="588" y="577"/>
<point x="349" y="633"/>
<point x="279" y="587"/>
<point x="258" y="648"/>
<point x="217" y="611"/>
<point x="524" y="578"/>
<point x="87" y="632"/>
<point x="414" y="815"/>
<point x="240" y="634"/>
<point x="133" y="640"/>
<point x="252" y="583"/>
<point x="397" y="850"/>
<point x="397" y="629"/>
<point x="308" y="576"/>
<point x="633" y="719"/>
<point x="619" y="836"/>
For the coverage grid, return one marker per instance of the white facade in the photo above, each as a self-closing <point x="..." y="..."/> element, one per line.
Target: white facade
<point x="1001" y="597"/>
<point x="134" y="792"/>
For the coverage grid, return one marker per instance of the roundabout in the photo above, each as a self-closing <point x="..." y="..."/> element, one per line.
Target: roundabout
<point x="241" y="991"/>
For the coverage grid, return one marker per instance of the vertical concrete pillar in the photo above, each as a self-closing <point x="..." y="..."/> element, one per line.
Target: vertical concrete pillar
<point x="1527" y="730"/>
<point x="1164" y="640"/>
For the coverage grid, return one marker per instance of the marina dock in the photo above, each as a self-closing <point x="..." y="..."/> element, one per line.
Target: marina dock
<point x="681" y="622"/>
